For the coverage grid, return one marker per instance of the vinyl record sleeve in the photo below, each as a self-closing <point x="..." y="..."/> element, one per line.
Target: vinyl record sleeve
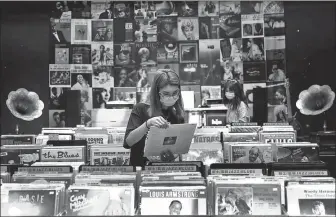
<point x="17" y="139"/>
<point x="251" y="153"/>
<point x="277" y="137"/>
<point x="109" y="155"/>
<point x="297" y="152"/>
<point x="20" y="154"/>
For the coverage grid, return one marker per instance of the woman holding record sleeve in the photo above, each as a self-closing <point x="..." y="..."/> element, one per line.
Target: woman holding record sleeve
<point x="165" y="107"/>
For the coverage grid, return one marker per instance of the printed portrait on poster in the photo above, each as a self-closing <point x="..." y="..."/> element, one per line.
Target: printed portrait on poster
<point x="274" y="25"/>
<point x="80" y="9"/>
<point x="123" y="9"/>
<point x="252" y="25"/>
<point x="144" y="9"/>
<point x="166" y="8"/>
<point x="102" y="30"/>
<point x="235" y="200"/>
<point x="57" y="100"/>
<point x="102" y="10"/>
<point x="253" y="49"/>
<point x="233" y="71"/>
<point x="103" y="76"/>
<point x="146" y="53"/>
<point x="81" y="81"/>
<point x="276" y="71"/>
<point x="187" y="28"/>
<point x="317" y="207"/>
<point x="57" y="118"/>
<point x="61" y="10"/>
<point x="229" y="8"/>
<point x="102" y="54"/>
<point x="187" y="8"/>
<point x="100" y="97"/>
<point x="208" y="8"/>
<point x="167" y="29"/>
<point x="60" y="31"/>
<point x="188" y="52"/>
<point x="81" y="54"/>
<point x="124" y="77"/>
<point x="124" y="54"/>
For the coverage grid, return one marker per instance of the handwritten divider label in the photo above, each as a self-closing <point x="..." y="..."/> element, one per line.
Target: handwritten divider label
<point x="245" y="124"/>
<point x="88" y="168"/>
<point x="301" y="173"/>
<point x="45" y="169"/>
<point x="252" y="172"/>
<point x="63" y="154"/>
<point x="189" y="168"/>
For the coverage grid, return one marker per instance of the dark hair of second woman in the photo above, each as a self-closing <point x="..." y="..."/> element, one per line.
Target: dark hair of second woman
<point x="163" y="78"/>
<point x="236" y="88"/>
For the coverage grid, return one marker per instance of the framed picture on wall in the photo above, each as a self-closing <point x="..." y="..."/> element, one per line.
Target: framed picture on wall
<point x="188" y="52"/>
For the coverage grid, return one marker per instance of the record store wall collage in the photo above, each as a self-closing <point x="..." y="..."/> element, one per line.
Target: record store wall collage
<point x="110" y="51"/>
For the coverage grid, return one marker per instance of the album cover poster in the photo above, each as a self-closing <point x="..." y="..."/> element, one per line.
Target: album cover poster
<point x="230" y="26"/>
<point x="103" y="77"/>
<point x="254" y="72"/>
<point x="231" y="49"/>
<point x="60" y="10"/>
<point x="146" y="53"/>
<point x="144" y="9"/>
<point x="145" y="76"/>
<point x="167" y="52"/>
<point x="59" y="75"/>
<point x="189" y="73"/>
<point x="124" y="77"/>
<point x="252" y="25"/>
<point x="273" y="7"/>
<point x="233" y="71"/>
<point x="251" y="154"/>
<point x="100" y="201"/>
<point x="274" y="25"/>
<point x="188" y="52"/>
<point x="33" y="179"/>
<point x="57" y="118"/>
<point x="173" y="201"/>
<point x="277" y="137"/>
<point x="60" y="54"/>
<point x="197" y="93"/>
<point x="277" y="108"/>
<point x="80" y="9"/>
<point x="100" y="97"/>
<point x="167" y="29"/>
<point x="166" y="8"/>
<point x="57" y="97"/>
<point x="124" y="54"/>
<point x="187" y="8"/>
<point x="123" y="9"/>
<point x="187" y="28"/>
<point x="294" y="153"/>
<point x="102" y="30"/>
<point x="81" y="68"/>
<point x="81" y="54"/>
<point x="85" y="115"/>
<point x="102" y="54"/>
<point x="145" y="30"/>
<point x="252" y="7"/>
<point x="102" y="10"/>
<point x="209" y="52"/>
<point x="81" y="81"/>
<point x="109" y="156"/>
<point x="211" y="92"/>
<point x="60" y="31"/>
<point x="124" y="94"/>
<point x="208" y="8"/>
<point x="24" y="156"/>
<point x="126" y="29"/>
<point x="253" y="49"/>
<point x="143" y="95"/>
<point x="276" y="70"/>
<point x="173" y="66"/>
<point x="275" y="48"/>
<point x="80" y="31"/>
<point x="209" y="27"/>
<point x="229" y="8"/>
<point x="208" y="155"/>
<point x="35" y="202"/>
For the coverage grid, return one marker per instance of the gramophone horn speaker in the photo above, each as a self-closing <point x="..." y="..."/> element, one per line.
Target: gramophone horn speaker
<point x="24" y="104"/>
<point x="316" y="100"/>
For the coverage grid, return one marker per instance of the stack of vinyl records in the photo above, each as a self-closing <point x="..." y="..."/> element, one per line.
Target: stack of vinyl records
<point x="5" y="175"/>
<point x="248" y="152"/>
<point x="32" y="199"/>
<point x="178" y="192"/>
<point x="277" y="134"/>
<point x="74" y="165"/>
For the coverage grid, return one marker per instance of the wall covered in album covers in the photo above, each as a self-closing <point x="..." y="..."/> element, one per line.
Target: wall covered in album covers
<point x="110" y="51"/>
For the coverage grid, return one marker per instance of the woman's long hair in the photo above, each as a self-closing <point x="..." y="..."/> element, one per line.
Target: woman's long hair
<point x="236" y="87"/>
<point x="163" y="78"/>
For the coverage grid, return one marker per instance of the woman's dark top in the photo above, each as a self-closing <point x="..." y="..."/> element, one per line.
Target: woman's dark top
<point x="139" y="115"/>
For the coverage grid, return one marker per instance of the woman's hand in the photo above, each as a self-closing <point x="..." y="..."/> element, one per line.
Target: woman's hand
<point x="159" y="122"/>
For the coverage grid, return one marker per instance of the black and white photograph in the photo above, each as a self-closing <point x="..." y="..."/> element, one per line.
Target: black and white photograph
<point x="317" y="207"/>
<point x="274" y="25"/>
<point x="167" y="29"/>
<point x="234" y="200"/>
<point x="275" y="48"/>
<point x="225" y="49"/>
<point x="167" y="52"/>
<point x="253" y="49"/>
<point x="277" y="103"/>
<point x="252" y="7"/>
<point x="60" y="10"/>
<point x="169" y="140"/>
<point x="59" y="75"/>
<point x="209" y="52"/>
<point x="273" y="7"/>
<point x="102" y="30"/>
<point x="145" y="30"/>
<point x="126" y="29"/>
<point x="85" y="116"/>
<point x="80" y="9"/>
<point x="60" y="31"/>
<point x="81" y="54"/>
<point x="100" y="97"/>
<point x="57" y="98"/>
<point x="123" y="9"/>
<point x="187" y="8"/>
<point x="276" y="70"/>
<point x="188" y="52"/>
<point x="166" y="8"/>
<point x="81" y="81"/>
<point x="57" y="118"/>
<point x="146" y="53"/>
<point x="102" y="54"/>
<point x="189" y="73"/>
<point x="233" y="71"/>
<point x="103" y="77"/>
<point x="209" y="27"/>
<point x="145" y="76"/>
<point x="80" y="31"/>
<point x="102" y="10"/>
<point x="124" y="54"/>
<point x="230" y="26"/>
<point x="86" y="99"/>
<point x="187" y="28"/>
<point x="212" y="74"/>
<point x="208" y="8"/>
<point x="61" y="54"/>
<point x="215" y="92"/>
<point x="254" y="72"/>
<point x="229" y="8"/>
<point x="252" y="25"/>
<point x="123" y="77"/>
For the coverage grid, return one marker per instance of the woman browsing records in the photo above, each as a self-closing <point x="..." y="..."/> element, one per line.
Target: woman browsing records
<point x="165" y="108"/>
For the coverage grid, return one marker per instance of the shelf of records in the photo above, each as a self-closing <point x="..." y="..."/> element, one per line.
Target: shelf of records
<point x="178" y="188"/>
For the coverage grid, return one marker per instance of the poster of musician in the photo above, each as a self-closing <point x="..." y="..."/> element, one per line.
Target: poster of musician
<point x="124" y="54"/>
<point x="102" y="54"/>
<point x="123" y="9"/>
<point x="144" y="9"/>
<point x="253" y="49"/>
<point x="276" y="70"/>
<point x="59" y="75"/>
<point x="208" y="8"/>
<point x="102" y="9"/>
<point x="80" y="31"/>
<point x="188" y="52"/>
<point x="60" y="31"/>
<point x="277" y="102"/>
<point x="187" y="8"/>
<point x="229" y="8"/>
<point x="102" y="30"/>
<point x="209" y="28"/>
<point x="189" y="73"/>
<point x="57" y="98"/>
<point x="187" y="28"/>
<point x="145" y="30"/>
<point x="167" y="29"/>
<point x="275" y="47"/>
<point x="166" y="8"/>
